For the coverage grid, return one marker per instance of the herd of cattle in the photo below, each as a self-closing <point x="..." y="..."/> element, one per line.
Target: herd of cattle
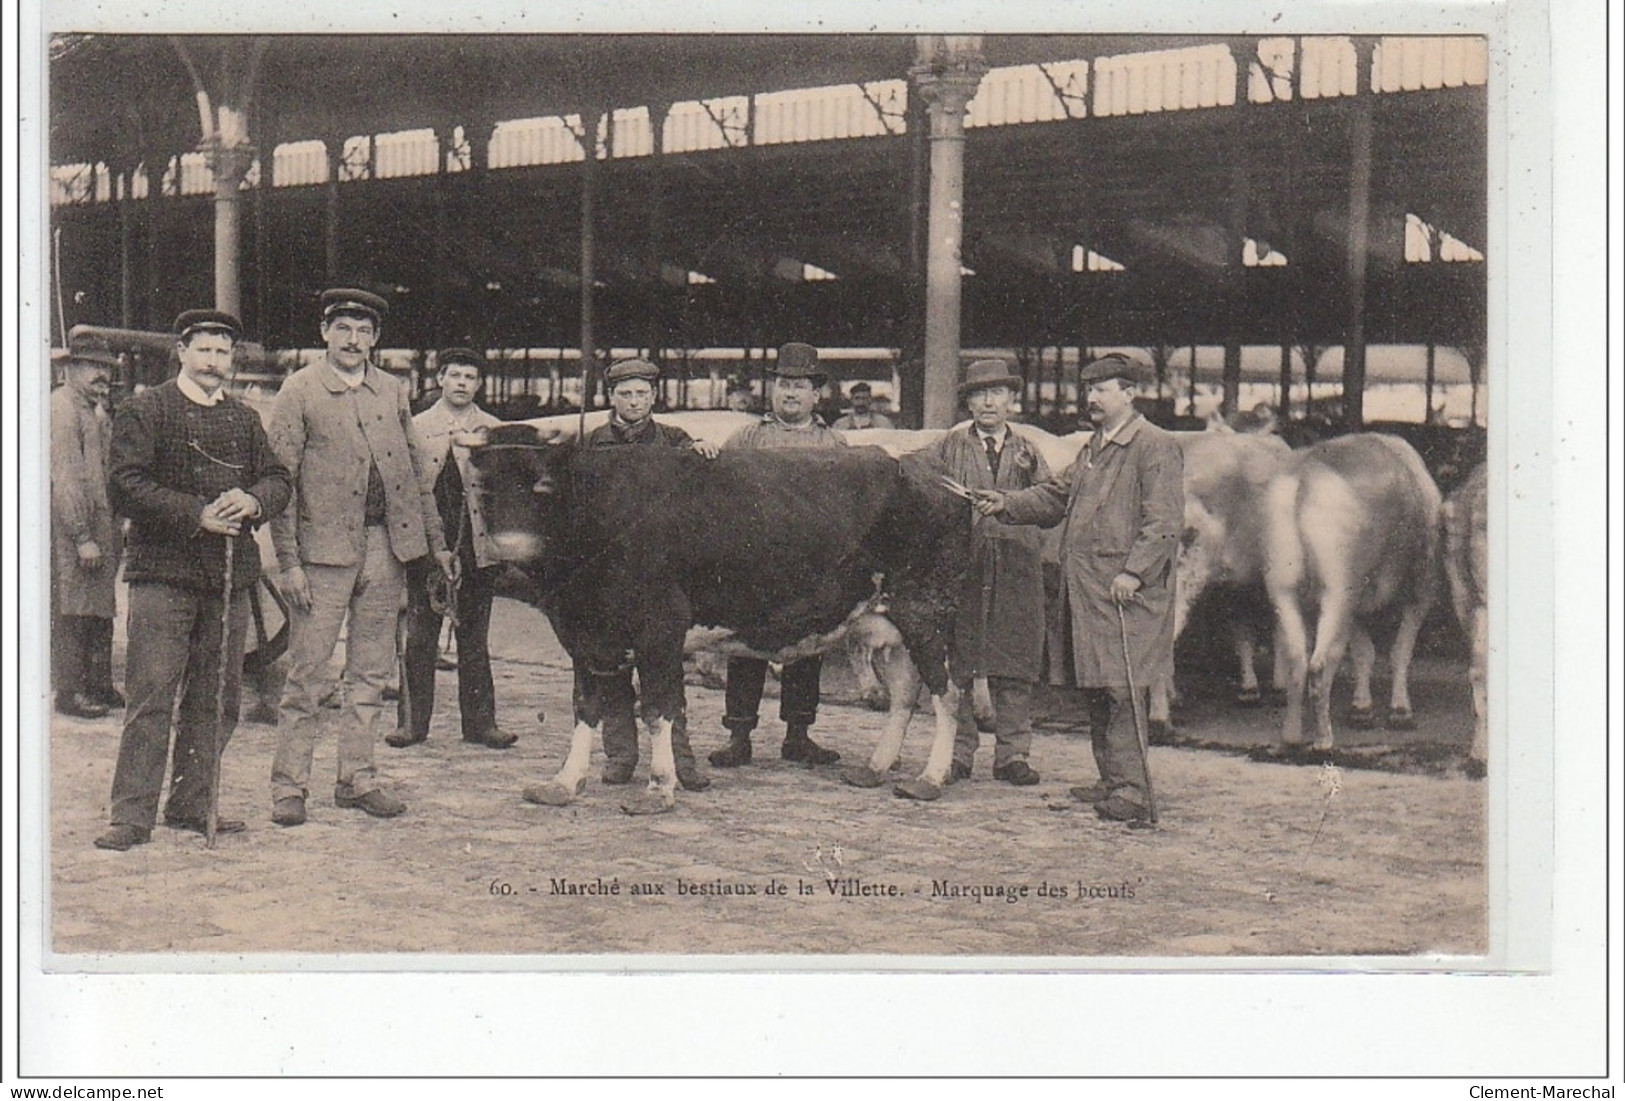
<point x="640" y="554"/>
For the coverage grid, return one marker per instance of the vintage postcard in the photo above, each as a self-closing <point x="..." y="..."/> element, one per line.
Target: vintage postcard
<point x="1079" y="456"/>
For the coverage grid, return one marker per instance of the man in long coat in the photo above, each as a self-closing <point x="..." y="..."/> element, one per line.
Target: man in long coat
<point x="1123" y="502"/>
<point x="999" y="633"/>
<point x="84" y="540"/>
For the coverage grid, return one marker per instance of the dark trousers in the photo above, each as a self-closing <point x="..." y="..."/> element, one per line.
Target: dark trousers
<point x="798" y="692"/>
<point x="1115" y="743"/>
<point x="175" y="646"/>
<point x="1012" y="722"/>
<point x="620" y="723"/>
<point x="476" y="698"/>
<point x="82" y="656"/>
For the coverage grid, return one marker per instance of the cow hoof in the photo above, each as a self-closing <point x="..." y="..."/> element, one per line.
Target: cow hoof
<point x="862" y="776"/>
<point x="1400" y="719"/>
<point x="1159" y="732"/>
<point x="648" y="802"/>
<point x="1362" y="718"/>
<point x="918" y="788"/>
<point x="550" y="794"/>
<point x="1475" y="769"/>
<point x="1249" y="697"/>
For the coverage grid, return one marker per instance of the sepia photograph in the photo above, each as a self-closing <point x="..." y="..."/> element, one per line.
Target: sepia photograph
<point x="914" y="502"/>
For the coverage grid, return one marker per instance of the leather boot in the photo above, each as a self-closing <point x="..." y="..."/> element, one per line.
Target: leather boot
<point x="799" y="746"/>
<point x="736" y="752"/>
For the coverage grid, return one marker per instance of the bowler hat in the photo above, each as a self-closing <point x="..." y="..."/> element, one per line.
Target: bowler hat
<point x="1116" y="365"/>
<point x="630" y="368"/>
<point x="797" y="360"/>
<point x="985" y="374"/>
<point x="447" y="356"/>
<point x="860" y="388"/>
<point x="352" y="301"/>
<point x="208" y="321"/>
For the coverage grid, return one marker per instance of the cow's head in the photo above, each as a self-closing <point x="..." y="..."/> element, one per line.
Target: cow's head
<point x="521" y="483"/>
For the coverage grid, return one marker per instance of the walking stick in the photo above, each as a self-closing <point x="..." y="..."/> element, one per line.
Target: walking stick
<point x="1140" y="738"/>
<point x="212" y="819"/>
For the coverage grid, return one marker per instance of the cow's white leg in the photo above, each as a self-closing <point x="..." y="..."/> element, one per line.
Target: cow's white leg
<point x="903" y="686"/>
<point x="661" y="794"/>
<point x="1331" y="641"/>
<point x="1292" y="640"/>
<point x="981" y="703"/>
<point x="1241" y="637"/>
<point x="928" y="785"/>
<point x="1481" y="652"/>
<point x="571" y="778"/>
<point x="861" y="655"/>
<point x="1363" y="656"/>
<point x="1400" y="716"/>
<point x="1162" y="702"/>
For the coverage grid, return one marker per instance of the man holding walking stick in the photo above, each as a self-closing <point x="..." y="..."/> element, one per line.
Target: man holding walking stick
<point x="1123" y="503"/>
<point x="192" y="469"/>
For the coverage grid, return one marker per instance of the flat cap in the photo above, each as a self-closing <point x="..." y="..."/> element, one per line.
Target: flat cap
<point x="630" y="368"/>
<point x="1118" y="366"/>
<point x="207" y="321"/>
<point x="797" y="360"/>
<point x="352" y="301"/>
<point x="985" y="374"/>
<point x="92" y="357"/>
<point x="861" y="388"/>
<point x="447" y="356"/>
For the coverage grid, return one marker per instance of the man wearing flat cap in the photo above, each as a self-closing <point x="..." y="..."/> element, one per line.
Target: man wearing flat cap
<point x="194" y="472"/>
<point x="632" y="424"/>
<point x="84" y="539"/>
<point x="1123" y="504"/>
<point x="789" y="422"/>
<point x="863" y="413"/>
<point x="999" y="633"/>
<point x="440" y="444"/>
<point x="361" y="512"/>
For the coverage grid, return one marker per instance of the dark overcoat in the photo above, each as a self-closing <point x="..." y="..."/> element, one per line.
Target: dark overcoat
<point x="1123" y="503"/>
<point x="1000" y="628"/>
<point x="81" y="437"/>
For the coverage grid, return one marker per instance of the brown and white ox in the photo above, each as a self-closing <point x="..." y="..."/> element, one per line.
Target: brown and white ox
<point x="1352" y="539"/>
<point x="1465" y="522"/>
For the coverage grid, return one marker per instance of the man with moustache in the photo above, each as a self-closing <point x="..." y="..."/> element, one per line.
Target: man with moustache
<point x="1123" y="503"/>
<point x="999" y="633"/>
<point x="442" y="456"/>
<point x="193" y="470"/>
<point x="631" y="423"/>
<point x="790" y="422"/>
<point x="84" y="540"/>
<point x="361" y="512"/>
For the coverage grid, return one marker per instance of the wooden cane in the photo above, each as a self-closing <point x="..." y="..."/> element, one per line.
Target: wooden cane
<point x="1140" y="738"/>
<point x="211" y="820"/>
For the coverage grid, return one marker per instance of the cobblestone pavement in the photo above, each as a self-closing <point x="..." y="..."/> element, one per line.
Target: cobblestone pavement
<point x="1253" y="858"/>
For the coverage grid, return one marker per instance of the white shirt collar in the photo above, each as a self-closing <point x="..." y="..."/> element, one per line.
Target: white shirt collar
<point x="196" y="394"/>
<point x="998" y="437"/>
<point x="1114" y="433"/>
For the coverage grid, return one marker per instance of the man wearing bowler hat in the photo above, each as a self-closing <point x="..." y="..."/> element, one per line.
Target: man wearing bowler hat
<point x="194" y="472"/>
<point x="1123" y="503"/>
<point x="440" y="446"/>
<point x="361" y="512"/>
<point x="999" y="633"/>
<point x="789" y="422"/>
<point x="863" y="414"/>
<point x="631" y="423"/>
<point x="84" y="539"/>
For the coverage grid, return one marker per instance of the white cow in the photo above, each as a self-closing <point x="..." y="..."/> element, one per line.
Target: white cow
<point x="1352" y="535"/>
<point x="1465" y="521"/>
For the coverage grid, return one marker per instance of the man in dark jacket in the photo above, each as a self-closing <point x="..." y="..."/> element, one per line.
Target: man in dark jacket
<point x="632" y="424"/>
<point x="193" y="470"/>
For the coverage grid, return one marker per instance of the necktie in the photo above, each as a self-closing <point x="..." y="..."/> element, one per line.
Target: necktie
<point x="992" y="447"/>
